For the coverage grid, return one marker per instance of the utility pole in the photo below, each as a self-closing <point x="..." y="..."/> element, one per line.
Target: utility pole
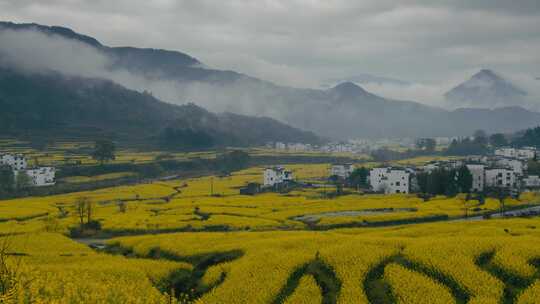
<point x="211" y="186"/>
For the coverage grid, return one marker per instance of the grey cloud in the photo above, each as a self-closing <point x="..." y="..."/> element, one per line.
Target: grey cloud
<point x="308" y="41"/>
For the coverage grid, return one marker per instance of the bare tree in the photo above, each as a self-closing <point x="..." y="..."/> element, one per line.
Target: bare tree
<point x="83" y="209"/>
<point x="122" y="206"/>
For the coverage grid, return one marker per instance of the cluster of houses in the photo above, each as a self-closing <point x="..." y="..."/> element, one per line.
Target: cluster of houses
<point x="38" y="176"/>
<point x="328" y="148"/>
<point x="505" y="169"/>
<point x="358" y="146"/>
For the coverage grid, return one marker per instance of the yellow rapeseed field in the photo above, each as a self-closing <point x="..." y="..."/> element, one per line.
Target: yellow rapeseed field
<point x="299" y="247"/>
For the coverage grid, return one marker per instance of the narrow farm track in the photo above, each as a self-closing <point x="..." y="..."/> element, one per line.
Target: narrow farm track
<point x="460" y="295"/>
<point x="184" y="283"/>
<point x="324" y="276"/>
<point x="379" y="291"/>
<point x="513" y="285"/>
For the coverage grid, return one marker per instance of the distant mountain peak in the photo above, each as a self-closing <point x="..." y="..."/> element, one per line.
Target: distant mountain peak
<point x="365" y="78"/>
<point x="349" y="89"/>
<point x="48" y="30"/>
<point x="486" y="73"/>
<point x="485" y="89"/>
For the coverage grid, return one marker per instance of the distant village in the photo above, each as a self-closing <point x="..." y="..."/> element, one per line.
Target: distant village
<point x="34" y="177"/>
<point x="357" y="146"/>
<point x="504" y="170"/>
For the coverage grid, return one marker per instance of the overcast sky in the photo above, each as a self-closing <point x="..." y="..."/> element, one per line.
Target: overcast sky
<point x="304" y="42"/>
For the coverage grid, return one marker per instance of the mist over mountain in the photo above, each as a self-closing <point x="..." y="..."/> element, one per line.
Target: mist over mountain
<point x="343" y="111"/>
<point x="486" y="89"/>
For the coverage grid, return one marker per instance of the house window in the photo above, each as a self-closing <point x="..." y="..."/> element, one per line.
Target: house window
<point x="397" y="184"/>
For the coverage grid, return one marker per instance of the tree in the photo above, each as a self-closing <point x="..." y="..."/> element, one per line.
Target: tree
<point x="359" y="177"/>
<point x="122" y="206"/>
<point x="84" y="210"/>
<point x="480" y="137"/>
<point x="7" y="180"/>
<point x="464" y="180"/>
<point x="104" y="150"/>
<point x="233" y="161"/>
<point x="533" y="167"/>
<point x="22" y="180"/>
<point x="531" y="137"/>
<point x="498" y="140"/>
<point x="466" y="147"/>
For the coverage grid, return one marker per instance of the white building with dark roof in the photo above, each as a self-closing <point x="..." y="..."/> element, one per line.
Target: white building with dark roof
<point x="15" y="161"/>
<point x="501" y="178"/>
<point x="478" y="177"/>
<point x="524" y="153"/>
<point x="276" y="175"/>
<point x="512" y="163"/>
<point x="39" y="177"/>
<point x="390" y="180"/>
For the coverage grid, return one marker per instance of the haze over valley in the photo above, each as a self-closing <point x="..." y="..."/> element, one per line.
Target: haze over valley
<point x="344" y="111"/>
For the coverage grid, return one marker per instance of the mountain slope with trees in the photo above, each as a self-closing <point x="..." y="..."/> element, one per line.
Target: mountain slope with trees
<point x="53" y="105"/>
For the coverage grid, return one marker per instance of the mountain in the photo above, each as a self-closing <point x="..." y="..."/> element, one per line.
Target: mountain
<point x="485" y="89"/>
<point x="369" y="79"/>
<point x="341" y="112"/>
<point x="55" y="106"/>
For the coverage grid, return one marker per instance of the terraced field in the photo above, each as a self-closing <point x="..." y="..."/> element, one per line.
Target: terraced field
<point x="75" y="152"/>
<point x="197" y="240"/>
<point x="213" y="203"/>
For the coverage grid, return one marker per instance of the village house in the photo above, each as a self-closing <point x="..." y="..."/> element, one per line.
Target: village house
<point x="531" y="181"/>
<point x="518" y="166"/>
<point x="524" y="153"/>
<point x="501" y="178"/>
<point x="478" y="177"/>
<point x="15" y="161"/>
<point x="390" y="180"/>
<point x="342" y="170"/>
<point x="276" y="175"/>
<point x="38" y="177"/>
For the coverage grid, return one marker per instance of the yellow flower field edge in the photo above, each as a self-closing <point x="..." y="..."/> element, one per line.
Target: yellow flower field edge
<point x="50" y="268"/>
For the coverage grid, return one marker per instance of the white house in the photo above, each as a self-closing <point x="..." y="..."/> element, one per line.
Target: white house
<point x="298" y="147"/>
<point x="500" y="178"/>
<point x="531" y="181"/>
<point x="42" y="176"/>
<point x="390" y="180"/>
<point x="276" y="175"/>
<point x="523" y="153"/>
<point x="341" y="170"/>
<point x="515" y="164"/>
<point x="281" y="146"/>
<point x="478" y="177"/>
<point x="15" y="161"/>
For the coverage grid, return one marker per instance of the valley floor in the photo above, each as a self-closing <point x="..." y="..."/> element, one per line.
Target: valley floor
<point x="197" y="240"/>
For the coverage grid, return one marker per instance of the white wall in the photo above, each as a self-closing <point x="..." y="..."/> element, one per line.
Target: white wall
<point x="390" y="180"/>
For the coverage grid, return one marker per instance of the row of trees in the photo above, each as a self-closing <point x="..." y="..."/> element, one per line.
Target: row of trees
<point x="11" y="183"/>
<point x="437" y="182"/>
<point x="531" y="137"/>
<point x="478" y="145"/>
<point x="447" y="182"/>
